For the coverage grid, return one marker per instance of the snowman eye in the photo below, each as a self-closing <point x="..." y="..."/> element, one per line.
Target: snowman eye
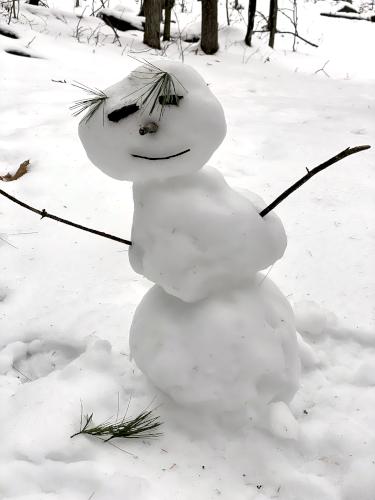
<point x="119" y="114"/>
<point x="170" y="100"/>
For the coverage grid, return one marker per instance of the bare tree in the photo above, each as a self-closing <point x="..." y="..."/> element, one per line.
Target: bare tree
<point x="152" y="9"/>
<point x="250" y="22"/>
<point x="272" y="21"/>
<point x="227" y="11"/>
<point x="141" y="9"/>
<point x="14" y="10"/>
<point x="209" y="32"/>
<point x="167" y="19"/>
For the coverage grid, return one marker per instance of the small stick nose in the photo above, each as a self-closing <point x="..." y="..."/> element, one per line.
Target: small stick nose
<point x="149" y="128"/>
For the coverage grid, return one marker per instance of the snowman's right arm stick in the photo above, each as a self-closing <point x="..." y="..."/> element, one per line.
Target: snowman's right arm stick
<point x="311" y="173"/>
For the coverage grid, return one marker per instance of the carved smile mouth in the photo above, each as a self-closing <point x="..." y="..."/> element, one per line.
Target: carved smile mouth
<point x="161" y="157"/>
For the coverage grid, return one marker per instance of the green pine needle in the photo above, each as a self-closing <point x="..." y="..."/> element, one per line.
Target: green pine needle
<point x="159" y="90"/>
<point x="90" y="104"/>
<point x="144" y="426"/>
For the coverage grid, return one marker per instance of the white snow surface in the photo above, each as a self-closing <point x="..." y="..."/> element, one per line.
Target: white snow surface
<point x="194" y="127"/>
<point x="67" y="298"/>
<point x="194" y="235"/>
<point x="234" y="351"/>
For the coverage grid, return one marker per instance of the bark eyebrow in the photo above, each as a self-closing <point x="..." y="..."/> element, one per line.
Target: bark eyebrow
<point x="123" y="112"/>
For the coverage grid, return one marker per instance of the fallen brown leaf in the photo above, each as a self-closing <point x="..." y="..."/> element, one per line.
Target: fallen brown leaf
<point x="22" y="170"/>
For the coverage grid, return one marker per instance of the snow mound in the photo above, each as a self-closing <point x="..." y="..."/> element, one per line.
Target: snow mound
<point x="194" y="235"/>
<point x="232" y="350"/>
<point x="189" y="127"/>
<point x="312" y="319"/>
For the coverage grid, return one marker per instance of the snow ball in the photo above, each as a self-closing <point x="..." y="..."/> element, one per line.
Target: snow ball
<point x="194" y="235"/>
<point x="98" y="355"/>
<point x="309" y="358"/>
<point x="231" y="350"/>
<point x="184" y="124"/>
<point x="312" y="319"/>
<point x="282" y="422"/>
<point x="11" y="353"/>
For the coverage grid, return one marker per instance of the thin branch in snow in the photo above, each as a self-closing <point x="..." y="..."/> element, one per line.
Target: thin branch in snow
<point x="322" y="69"/>
<point x="6" y="241"/>
<point x="298" y="36"/>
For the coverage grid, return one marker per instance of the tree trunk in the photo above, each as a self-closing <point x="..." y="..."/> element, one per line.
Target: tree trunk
<point x="250" y="22"/>
<point x="227" y="11"/>
<point x="152" y="10"/>
<point x="272" y="21"/>
<point x="141" y="9"/>
<point x="167" y="19"/>
<point x="209" y="33"/>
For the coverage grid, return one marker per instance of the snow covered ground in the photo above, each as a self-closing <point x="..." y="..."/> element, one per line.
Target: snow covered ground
<point x="67" y="298"/>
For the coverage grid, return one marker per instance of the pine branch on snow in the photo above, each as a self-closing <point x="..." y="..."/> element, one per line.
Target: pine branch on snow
<point x="143" y="426"/>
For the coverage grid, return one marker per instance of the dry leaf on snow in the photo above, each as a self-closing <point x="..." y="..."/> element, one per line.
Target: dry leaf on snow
<point x="22" y="170"/>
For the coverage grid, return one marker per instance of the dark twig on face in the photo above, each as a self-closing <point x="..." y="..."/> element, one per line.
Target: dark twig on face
<point x="162" y="157"/>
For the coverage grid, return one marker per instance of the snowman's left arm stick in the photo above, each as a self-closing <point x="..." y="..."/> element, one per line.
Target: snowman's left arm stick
<point x="44" y="214"/>
<point x="311" y="173"/>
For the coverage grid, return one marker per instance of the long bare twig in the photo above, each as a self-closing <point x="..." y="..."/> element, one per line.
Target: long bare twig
<point x="288" y="33"/>
<point x="311" y="173"/>
<point x="297" y="36"/>
<point x="45" y="214"/>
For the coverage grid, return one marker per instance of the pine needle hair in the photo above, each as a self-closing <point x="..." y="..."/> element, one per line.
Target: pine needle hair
<point x="88" y="105"/>
<point x="160" y="90"/>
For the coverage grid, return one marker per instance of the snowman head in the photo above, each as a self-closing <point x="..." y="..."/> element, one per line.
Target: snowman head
<point x="160" y="121"/>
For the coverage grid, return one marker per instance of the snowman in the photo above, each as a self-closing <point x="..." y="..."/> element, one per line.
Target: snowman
<point x="213" y="333"/>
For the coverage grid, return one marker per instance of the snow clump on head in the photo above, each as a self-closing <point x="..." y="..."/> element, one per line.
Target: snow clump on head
<point x="160" y="121"/>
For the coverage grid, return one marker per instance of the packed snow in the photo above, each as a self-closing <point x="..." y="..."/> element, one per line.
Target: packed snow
<point x="67" y="298"/>
<point x="194" y="235"/>
<point x="235" y="351"/>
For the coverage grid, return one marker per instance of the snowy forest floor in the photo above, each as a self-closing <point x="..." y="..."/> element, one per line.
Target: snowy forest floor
<point x="67" y="297"/>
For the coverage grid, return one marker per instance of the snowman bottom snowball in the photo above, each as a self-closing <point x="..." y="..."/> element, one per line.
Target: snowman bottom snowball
<point x="231" y="350"/>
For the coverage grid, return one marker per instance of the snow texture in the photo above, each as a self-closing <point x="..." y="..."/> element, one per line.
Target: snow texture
<point x="194" y="235"/>
<point x="221" y="354"/>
